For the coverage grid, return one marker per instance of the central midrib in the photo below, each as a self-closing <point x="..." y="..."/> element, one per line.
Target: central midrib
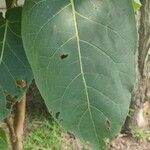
<point x="4" y="42"/>
<point x="79" y="52"/>
<point x="81" y="66"/>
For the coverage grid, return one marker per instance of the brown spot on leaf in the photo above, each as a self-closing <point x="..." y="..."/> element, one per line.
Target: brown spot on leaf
<point x="21" y="83"/>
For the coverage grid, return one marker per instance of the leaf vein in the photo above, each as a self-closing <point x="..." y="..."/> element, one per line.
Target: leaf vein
<point x="4" y="42"/>
<point x="101" y="24"/>
<point x="48" y="21"/>
<point x="103" y="94"/>
<point x="81" y="67"/>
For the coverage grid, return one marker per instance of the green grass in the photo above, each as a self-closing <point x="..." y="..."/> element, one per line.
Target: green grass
<point x="140" y="134"/>
<point x="43" y="134"/>
<point x="41" y="131"/>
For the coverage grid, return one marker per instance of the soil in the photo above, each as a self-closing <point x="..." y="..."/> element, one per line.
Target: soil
<point x="122" y="142"/>
<point x="129" y="143"/>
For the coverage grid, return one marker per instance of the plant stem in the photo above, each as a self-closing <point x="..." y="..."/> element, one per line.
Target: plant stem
<point x="19" y="122"/>
<point x="16" y="124"/>
<point x="11" y="3"/>
<point x="9" y="121"/>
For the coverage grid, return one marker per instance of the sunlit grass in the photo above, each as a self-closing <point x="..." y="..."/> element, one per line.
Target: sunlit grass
<point x="43" y="135"/>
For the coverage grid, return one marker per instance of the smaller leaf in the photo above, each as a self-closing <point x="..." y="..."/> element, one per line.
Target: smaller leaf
<point x="15" y="71"/>
<point x="136" y="5"/>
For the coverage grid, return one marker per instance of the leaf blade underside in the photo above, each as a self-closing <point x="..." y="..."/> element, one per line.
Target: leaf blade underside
<point x="82" y="55"/>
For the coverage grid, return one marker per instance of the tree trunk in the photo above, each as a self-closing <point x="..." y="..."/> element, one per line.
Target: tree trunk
<point x="140" y="117"/>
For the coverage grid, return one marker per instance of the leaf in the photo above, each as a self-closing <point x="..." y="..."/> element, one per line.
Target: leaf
<point x="82" y="53"/>
<point x="136" y="5"/>
<point x="3" y="140"/>
<point x="14" y="67"/>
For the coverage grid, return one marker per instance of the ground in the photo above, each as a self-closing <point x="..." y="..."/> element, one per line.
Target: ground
<point x="43" y="133"/>
<point x="124" y="142"/>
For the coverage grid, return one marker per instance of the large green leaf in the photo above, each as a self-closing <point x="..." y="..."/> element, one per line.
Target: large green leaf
<point x="14" y="66"/>
<point x="82" y="53"/>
